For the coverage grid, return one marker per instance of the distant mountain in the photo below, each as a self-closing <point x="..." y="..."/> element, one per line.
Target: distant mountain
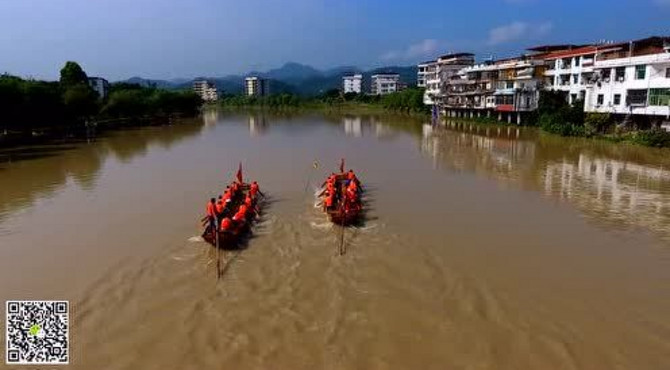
<point x="290" y="78"/>
<point x="292" y="73"/>
<point x="341" y="71"/>
<point x="163" y="84"/>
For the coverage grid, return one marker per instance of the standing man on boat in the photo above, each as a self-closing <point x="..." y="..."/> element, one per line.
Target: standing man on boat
<point x="211" y="213"/>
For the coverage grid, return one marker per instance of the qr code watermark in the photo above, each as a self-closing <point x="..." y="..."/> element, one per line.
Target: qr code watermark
<point x="37" y="332"/>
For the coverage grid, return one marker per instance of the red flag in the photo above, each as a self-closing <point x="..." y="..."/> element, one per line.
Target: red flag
<point x="342" y="166"/>
<point x="239" y="174"/>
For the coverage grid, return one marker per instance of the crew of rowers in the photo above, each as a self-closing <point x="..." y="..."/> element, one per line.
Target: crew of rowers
<point x="219" y="211"/>
<point x="348" y="196"/>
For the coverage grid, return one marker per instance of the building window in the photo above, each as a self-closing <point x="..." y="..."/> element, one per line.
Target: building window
<point x="667" y="73"/>
<point x="577" y="61"/>
<point x="573" y="98"/>
<point x="636" y="97"/>
<point x="575" y="79"/>
<point x="601" y="99"/>
<point x="659" y="97"/>
<point x="620" y="74"/>
<point x="606" y="74"/>
<point x="640" y="72"/>
<point x="617" y="99"/>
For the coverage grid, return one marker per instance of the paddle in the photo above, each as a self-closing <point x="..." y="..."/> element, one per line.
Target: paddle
<point x="218" y="259"/>
<point x="342" y="212"/>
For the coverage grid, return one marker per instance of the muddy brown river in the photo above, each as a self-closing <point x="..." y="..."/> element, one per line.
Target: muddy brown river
<point x="482" y="248"/>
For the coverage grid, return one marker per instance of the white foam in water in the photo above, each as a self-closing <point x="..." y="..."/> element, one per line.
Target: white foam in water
<point x="321" y="226"/>
<point x="195" y="239"/>
<point x="367" y="228"/>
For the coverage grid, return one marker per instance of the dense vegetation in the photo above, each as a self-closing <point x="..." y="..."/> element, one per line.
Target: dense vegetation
<point x="556" y="116"/>
<point x="406" y="101"/>
<point x="27" y="105"/>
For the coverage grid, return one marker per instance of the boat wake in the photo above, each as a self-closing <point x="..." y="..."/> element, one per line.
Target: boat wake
<point x="195" y="239"/>
<point x="321" y="226"/>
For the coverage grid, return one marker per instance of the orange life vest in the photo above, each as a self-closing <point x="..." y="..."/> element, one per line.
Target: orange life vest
<point x="219" y="207"/>
<point x="210" y="209"/>
<point x="226" y="224"/>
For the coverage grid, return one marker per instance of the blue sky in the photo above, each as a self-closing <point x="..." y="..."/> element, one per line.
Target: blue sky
<point x="118" y="39"/>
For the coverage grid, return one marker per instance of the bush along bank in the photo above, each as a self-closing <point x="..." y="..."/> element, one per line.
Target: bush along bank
<point x="556" y="116"/>
<point x="31" y="107"/>
<point x="408" y="101"/>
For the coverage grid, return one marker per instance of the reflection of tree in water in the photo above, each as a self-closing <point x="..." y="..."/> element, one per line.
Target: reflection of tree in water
<point x="131" y="143"/>
<point x="609" y="182"/>
<point x="36" y="172"/>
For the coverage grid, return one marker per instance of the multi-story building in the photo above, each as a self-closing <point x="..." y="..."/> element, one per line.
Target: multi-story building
<point x="206" y="90"/>
<point x="100" y="85"/>
<point x="256" y="86"/>
<point x="509" y="88"/>
<point x="569" y="71"/>
<point x="385" y="83"/>
<point x="352" y="84"/>
<point x="428" y="79"/>
<point x="447" y="68"/>
<point x="421" y="73"/>
<point x="631" y="79"/>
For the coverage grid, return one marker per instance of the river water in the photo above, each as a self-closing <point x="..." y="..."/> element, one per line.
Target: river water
<point x="482" y="248"/>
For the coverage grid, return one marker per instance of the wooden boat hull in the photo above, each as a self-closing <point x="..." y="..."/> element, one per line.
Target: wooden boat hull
<point x="227" y="240"/>
<point x="343" y="217"/>
<point x="231" y="239"/>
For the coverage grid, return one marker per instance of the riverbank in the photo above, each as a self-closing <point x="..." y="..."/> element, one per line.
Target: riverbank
<point x="46" y="135"/>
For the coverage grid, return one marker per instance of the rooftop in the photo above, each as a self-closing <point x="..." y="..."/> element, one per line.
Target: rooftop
<point x="552" y="48"/>
<point x="456" y="55"/>
<point x="572" y="52"/>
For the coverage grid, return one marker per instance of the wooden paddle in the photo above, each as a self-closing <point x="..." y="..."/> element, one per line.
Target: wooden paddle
<point x="218" y="259"/>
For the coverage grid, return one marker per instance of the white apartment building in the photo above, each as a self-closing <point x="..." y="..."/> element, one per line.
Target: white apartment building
<point x="206" y="90"/>
<point x="352" y="84"/>
<point x="632" y="79"/>
<point x="435" y="75"/>
<point x="256" y="86"/>
<point x="427" y="78"/>
<point x="386" y="83"/>
<point x="100" y="85"/>
<point x="570" y="71"/>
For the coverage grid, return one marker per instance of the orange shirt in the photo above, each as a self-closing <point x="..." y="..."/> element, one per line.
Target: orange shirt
<point x="226" y="224"/>
<point x="210" y="209"/>
<point x="219" y="207"/>
<point x="239" y="216"/>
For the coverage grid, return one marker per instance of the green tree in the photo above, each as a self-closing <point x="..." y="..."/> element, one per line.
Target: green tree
<point x="71" y="74"/>
<point x="80" y="101"/>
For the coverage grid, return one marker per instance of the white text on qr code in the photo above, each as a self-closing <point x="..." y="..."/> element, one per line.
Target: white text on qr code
<point x="37" y="332"/>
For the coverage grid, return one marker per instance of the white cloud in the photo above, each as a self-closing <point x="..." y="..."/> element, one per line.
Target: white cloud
<point x="517" y="31"/>
<point x="420" y="49"/>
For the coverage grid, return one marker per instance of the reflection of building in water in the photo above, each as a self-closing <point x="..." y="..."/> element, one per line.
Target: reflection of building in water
<point x="210" y="117"/>
<point x="613" y="190"/>
<point x="352" y="126"/>
<point x="257" y="124"/>
<point x="492" y="150"/>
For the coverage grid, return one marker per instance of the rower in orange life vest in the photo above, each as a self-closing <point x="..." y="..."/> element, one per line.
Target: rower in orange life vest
<point x="226" y="224"/>
<point x="330" y="200"/>
<point x="251" y="204"/>
<point x="211" y="213"/>
<point x="219" y="207"/>
<point x="254" y="189"/>
<point x="241" y="214"/>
